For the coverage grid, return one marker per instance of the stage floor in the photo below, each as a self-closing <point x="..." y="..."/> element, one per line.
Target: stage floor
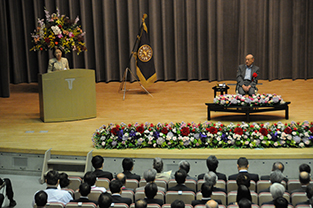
<point x="22" y="131"/>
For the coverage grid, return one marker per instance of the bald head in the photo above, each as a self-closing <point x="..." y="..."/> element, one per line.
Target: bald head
<point x="304" y="178"/>
<point x="211" y="204"/>
<point x="121" y="177"/>
<point x="278" y="166"/>
<point x="249" y="60"/>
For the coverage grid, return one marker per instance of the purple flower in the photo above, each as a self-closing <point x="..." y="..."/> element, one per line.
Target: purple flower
<point x="114" y="143"/>
<point x="234" y="101"/>
<point x="132" y="134"/>
<point x="156" y="134"/>
<point x="274" y="136"/>
<point x="224" y="137"/>
<point x="297" y="139"/>
<point x="275" y="99"/>
<point x="186" y="143"/>
<point x="160" y="140"/>
<point x="203" y="137"/>
<point x="120" y="135"/>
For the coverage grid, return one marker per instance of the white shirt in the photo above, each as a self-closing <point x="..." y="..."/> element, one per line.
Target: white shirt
<point x="98" y="188"/>
<point x="56" y="195"/>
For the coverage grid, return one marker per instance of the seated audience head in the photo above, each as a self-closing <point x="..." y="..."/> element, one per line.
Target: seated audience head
<point x="278" y="166"/>
<point x="212" y="163"/>
<point x="121" y="177"/>
<point x="178" y="204"/>
<point x="243" y="179"/>
<point x="97" y="162"/>
<point x="128" y="164"/>
<point x="90" y="178"/>
<point x="41" y="198"/>
<point x="242" y="163"/>
<point x="210" y="178"/>
<point x="115" y="186"/>
<point x="64" y="181"/>
<point x="206" y="190"/>
<point x="184" y="165"/>
<point x="244" y="203"/>
<point x="158" y="164"/>
<point x="211" y="204"/>
<point x="243" y="192"/>
<point x="309" y="193"/>
<point x="281" y="202"/>
<point x="52" y="178"/>
<point x="277" y="190"/>
<point x="84" y="189"/>
<point x="151" y="190"/>
<point x="276" y="176"/>
<point x="105" y="200"/>
<point x="149" y="175"/>
<point x="304" y="178"/>
<point x="141" y="204"/>
<point x="180" y="176"/>
<point x="304" y="167"/>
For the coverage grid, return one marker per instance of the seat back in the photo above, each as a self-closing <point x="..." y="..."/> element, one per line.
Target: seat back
<point x="273" y="206"/>
<point x="298" y="197"/>
<point x="236" y="206"/>
<point x="303" y="206"/>
<point x="153" y="206"/>
<point x="141" y="195"/>
<point x="293" y="184"/>
<point x="263" y="184"/>
<point x="131" y="183"/>
<point x="265" y="197"/>
<point x="161" y="183"/>
<point x="74" y="182"/>
<point x="232" y="196"/>
<point x="142" y="182"/>
<point x="232" y="186"/>
<point x="103" y="182"/>
<point x="189" y="183"/>
<point x="186" y="196"/>
<point x="94" y="195"/>
<point x="119" y="205"/>
<point x="55" y="205"/>
<point x="128" y="194"/>
<point x="216" y="196"/>
<point x="220" y="184"/>
<point x="80" y="204"/>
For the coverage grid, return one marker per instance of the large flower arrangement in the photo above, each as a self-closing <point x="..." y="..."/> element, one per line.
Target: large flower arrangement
<point x="255" y="100"/>
<point x="58" y="31"/>
<point x="204" y="135"/>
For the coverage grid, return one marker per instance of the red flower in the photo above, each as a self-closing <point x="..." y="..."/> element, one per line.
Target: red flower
<point x="288" y="130"/>
<point x="129" y="125"/>
<point x="151" y="125"/>
<point x="140" y="129"/>
<point x="56" y="43"/>
<point x="222" y="125"/>
<point x="254" y="75"/>
<point x="251" y="126"/>
<point x="263" y="131"/>
<point x="311" y="129"/>
<point x="115" y="131"/>
<point x="238" y="131"/>
<point x="212" y="130"/>
<point x="164" y="130"/>
<point x="185" y="131"/>
<point x="60" y="26"/>
<point x="41" y="49"/>
<point x="47" y="40"/>
<point x="295" y="129"/>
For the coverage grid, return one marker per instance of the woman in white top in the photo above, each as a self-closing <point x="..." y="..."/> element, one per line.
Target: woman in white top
<point x="58" y="63"/>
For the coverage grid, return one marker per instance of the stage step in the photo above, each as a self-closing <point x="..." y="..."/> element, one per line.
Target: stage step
<point x="51" y="164"/>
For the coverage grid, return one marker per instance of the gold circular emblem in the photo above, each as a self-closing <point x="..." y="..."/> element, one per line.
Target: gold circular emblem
<point x="145" y="53"/>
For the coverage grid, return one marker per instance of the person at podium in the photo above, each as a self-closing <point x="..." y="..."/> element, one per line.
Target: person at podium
<point x="58" y="63"/>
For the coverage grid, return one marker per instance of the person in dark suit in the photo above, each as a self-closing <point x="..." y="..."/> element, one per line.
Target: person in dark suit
<point x="277" y="190"/>
<point x="304" y="178"/>
<point x="243" y="166"/>
<point x="105" y="200"/>
<point x="128" y="165"/>
<point x="212" y="164"/>
<point x="246" y="82"/>
<point x="98" y="162"/>
<point x="41" y="198"/>
<point x="84" y="190"/>
<point x="275" y="177"/>
<point x="116" y="190"/>
<point x="211" y="179"/>
<point x="281" y="202"/>
<point x="309" y="194"/>
<point x="9" y="191"/>
<point x="206" y="190"/>
<point x="304" y="167"/>
<point x="185" y="165"/>
<point x="151" y="190"/>
<point x="180" y="177"/>
<point x="276" y="166"/>
<point x="244" y="203"/>
<point x="121" y="177"/>
<point x="178" y="204"/>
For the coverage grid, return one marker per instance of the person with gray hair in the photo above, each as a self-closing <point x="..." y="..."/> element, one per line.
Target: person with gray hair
<point x="277" y="166"/>
<point x="149" y="176"/>
<point x="211" y="178"/>
<point x="275" y="177"/>
<point x="158" y="166"/>
<point x="211" y="204"/>
<point x="185" y="165"/>
<point x="277" y="190"/>
<point x="212" y="164"/>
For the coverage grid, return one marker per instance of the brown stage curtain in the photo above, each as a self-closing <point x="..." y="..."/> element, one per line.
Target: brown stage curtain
<point x="191" y="39"/>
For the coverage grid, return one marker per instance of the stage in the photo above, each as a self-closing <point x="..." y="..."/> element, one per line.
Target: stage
<point x="22" y="131"/>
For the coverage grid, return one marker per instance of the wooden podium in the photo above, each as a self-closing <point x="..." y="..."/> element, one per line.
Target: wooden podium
<point x="67" y="95"/>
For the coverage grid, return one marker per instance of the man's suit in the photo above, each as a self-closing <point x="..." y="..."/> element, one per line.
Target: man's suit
<point x="220" y="176"/>
<point x="154" y="201"/>
<point x="142" y="188"/>
<point x="304" y="203"/>
<point x="241" y="72"/>
<point x="267" y="177"/>
<point x="116" y="198"/>
<point x="180" y="187"/>
<point x="130" y="175"/>
<point x="103" y="174"/>
<point x="253" y="176"/>
<point x="204" y="201"/>
<point x="302" y="189"/>
<point x="84" y="199"/>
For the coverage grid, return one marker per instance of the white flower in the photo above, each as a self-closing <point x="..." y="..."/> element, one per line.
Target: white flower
<point x="146" y="131"/>
<point x="294" y="133"/>
<point x="301" y="144"/>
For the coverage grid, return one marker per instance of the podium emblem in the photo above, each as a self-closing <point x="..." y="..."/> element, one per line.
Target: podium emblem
<point x="70" y="83"/>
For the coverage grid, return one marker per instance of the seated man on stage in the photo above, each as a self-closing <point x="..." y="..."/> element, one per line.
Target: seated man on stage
<point x="247" y="77"/>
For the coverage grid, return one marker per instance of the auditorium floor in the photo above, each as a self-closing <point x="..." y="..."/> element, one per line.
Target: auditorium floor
<point x="21" y="129"/>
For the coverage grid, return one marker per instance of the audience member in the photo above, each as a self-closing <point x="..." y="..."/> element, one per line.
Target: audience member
<point x="304" y="167"/>
<point x="184" y="165"/>
<point x="212" y="164"/>
<point x="54" y="194"/>
<point x="244" y="203"/>
<point x="149" y="176"/>
<point x="64" y="181"/>
<point x="281" y="202"/>
<point x="277" y="166"/>
<point x="91" y="179"/>
<point x="243" y="166"/>
<point x="158" y="166"/>
<point x="180" y="177"/>
<point x="211" y="204"/>
<point x="1" y="199"/>
<point x="277" y="190"/>
<point x="151" y="190"/>
<point x="98" y="162"/>
<point x="178" y="204"/>
<point x="84" y="190"/>
<point x="304" y="178"/>
<point x="243" y="179"/>
<point x="211" y="179"/>
<point x="116" y="190"/>
<point x="275" y="177"/>
<point x="105" y="200"/>
<point x="309" y="194"/>
<point x="8" y="190"/>
<point x="243" y="192"/>
<point x="41" y="198"/>
<point x="121" y="177"/>
<point x="206" y="190"/>
<point x="141" y="203"/>
<point x="128" y="165"/>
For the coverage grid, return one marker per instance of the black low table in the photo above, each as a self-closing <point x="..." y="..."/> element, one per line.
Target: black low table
<point x="247" y="109"/>
<point x="220" y="89"/>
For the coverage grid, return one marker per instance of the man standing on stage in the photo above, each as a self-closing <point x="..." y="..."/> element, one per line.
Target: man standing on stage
<point x="247" y="77"/>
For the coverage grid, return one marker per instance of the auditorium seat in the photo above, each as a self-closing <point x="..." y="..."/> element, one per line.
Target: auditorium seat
<point x="215" y="195"/>
<point x="189" y="183"/>
<point x="293" y="184"/>
<point x="232" y="186"/>
<point x="273" y="206"/>
<point x="94" y="195"/>
<point x="267" y="196"/>
<point x="74" y="183"/>
<point x="53" y="205"/>
<point x="103" y="182"/>
<point x="127" y="194"/>
<point x="142" y="182"/>
<point x="131" y="183"/>
<point x="263" y="184"/>
<point x="80" y="204"/>
<point x="169" y="206"/>
<point x="141" y="195"/>
<point x="119" y="205"/>
<point x="231" y="197"/>
<point x="219" y="184"/>
<point x="203" y="206"/>
<point x="236" y="206"/>
<point x="186" y="196"/>
<point x="303" y="206"/>
<point x="161" y="183"/>
<point x="153" y="206"/>
<point x="298" y="197"/>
